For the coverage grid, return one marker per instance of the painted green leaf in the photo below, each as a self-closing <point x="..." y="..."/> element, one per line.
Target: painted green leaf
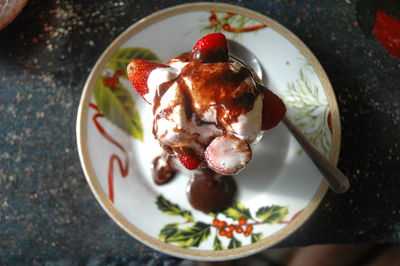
<point x="237" y="210"/>
<point x="234" y="243"/>
<point x="212" y="214"/>
<point x="191" y="236"/>
<point x="124" y="56"/>
<point x="256" y="237"/>
<point x="272" y="214"/>
<point x="169" y="208"/>
<point x="117" y="106"/>
<point x="188" y="216"/>
<point x="217" y="244"/>
<point x="168" y="231"/>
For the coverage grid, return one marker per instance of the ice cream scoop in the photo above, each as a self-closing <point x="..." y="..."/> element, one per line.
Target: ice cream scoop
<point x="199" y="96"/>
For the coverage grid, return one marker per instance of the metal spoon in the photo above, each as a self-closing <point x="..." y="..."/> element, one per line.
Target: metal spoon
<point x="337" y="181"/>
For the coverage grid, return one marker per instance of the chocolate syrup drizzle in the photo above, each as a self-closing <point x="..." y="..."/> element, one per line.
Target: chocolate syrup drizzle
<point x="164" y="170"/>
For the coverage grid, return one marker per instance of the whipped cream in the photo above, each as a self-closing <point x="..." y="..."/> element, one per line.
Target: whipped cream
<point x="156" y="77"/>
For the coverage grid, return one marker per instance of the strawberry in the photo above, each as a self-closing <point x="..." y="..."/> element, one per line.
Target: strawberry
<point x="138" y="72"/>
<point x="273" y="111"/>
<point x="211" y="48"/>
<point x="212" y="41"/>
<point x="189" y="161"/>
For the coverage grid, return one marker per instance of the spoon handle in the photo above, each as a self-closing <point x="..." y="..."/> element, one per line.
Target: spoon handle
<point x="337" y="181"/>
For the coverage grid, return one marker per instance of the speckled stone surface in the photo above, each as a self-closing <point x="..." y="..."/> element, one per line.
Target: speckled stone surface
<point x="48" y="214"/>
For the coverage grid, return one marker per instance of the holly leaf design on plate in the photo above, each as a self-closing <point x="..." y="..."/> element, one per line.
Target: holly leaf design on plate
<point x="217" y="245"/>
<point x="191" y="236"/>
<point x="272" y="214"/>
<point x="168" y="231"/>
<point x="117" y="106"/>
<point x="124" y="56"/>
<point x="171" y="209"/>
<point x="237" y="210"/>
<point x="234" y="243"/>
<point x="256" y="237"/>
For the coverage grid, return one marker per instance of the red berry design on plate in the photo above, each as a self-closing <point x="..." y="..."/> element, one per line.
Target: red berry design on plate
<point x="215" y="222"/>
<point x="138" y="72"/>
<point x="211" y="48"/>
<point x="188" y="161"/>
<point x="239" y="230"/>
<point x="222" y="232"/>
<point x="249" y="228"/>
<point x="273" y="111"/>
<point x="242" y="220"/>
<point x="222" y="224"/>
<point x="113" y="81"/>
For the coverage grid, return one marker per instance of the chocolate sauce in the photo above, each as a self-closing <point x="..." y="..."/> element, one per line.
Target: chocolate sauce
<point x="219" y="85"/>
<point x="211" y="55"/>
<point x="187" y="100"/>
<point x="164" y="170"/>
<point x="210" y="192"/>
<point x="162" y="89"/>
<point x="183" y="57"/>
<point x="184" y="150"/>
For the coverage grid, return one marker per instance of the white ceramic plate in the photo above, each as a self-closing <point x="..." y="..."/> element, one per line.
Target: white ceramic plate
<point x="277" y="192"/>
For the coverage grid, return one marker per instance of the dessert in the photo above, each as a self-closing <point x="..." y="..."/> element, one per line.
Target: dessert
<point x="208" y="115"/>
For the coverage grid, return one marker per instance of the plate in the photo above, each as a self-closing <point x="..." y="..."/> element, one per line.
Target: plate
<point x="279" y="189"/>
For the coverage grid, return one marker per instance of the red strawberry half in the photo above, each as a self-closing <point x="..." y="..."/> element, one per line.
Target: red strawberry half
<point x="188" y="161"/>
<point x="211" y="48"/>
<point x="274" y="110"/>
<point x="138" y="72"/>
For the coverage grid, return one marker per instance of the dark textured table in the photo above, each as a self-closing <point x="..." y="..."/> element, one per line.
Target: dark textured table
<point x="47" y="211"/>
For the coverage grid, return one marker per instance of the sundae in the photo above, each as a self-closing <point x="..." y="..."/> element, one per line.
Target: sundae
<point x="208" y="114"/>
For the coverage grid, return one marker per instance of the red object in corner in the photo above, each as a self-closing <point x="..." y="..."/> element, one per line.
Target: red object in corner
<point x="387" y="31"/>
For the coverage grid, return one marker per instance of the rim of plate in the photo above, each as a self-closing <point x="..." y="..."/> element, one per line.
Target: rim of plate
<point x="107" y="205"/>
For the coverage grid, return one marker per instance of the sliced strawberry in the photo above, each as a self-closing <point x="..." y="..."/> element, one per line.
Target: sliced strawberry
<point x="189" y="161"/>
<point x="211" y="48"/>
<point x="138" y="72"/>
<point x="274" y="110"/>
<point x="212" y="41"/>
<point x="227" y="154"/>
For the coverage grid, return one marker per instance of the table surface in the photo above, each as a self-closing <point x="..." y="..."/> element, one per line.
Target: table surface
<point x="47" y="211"/>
